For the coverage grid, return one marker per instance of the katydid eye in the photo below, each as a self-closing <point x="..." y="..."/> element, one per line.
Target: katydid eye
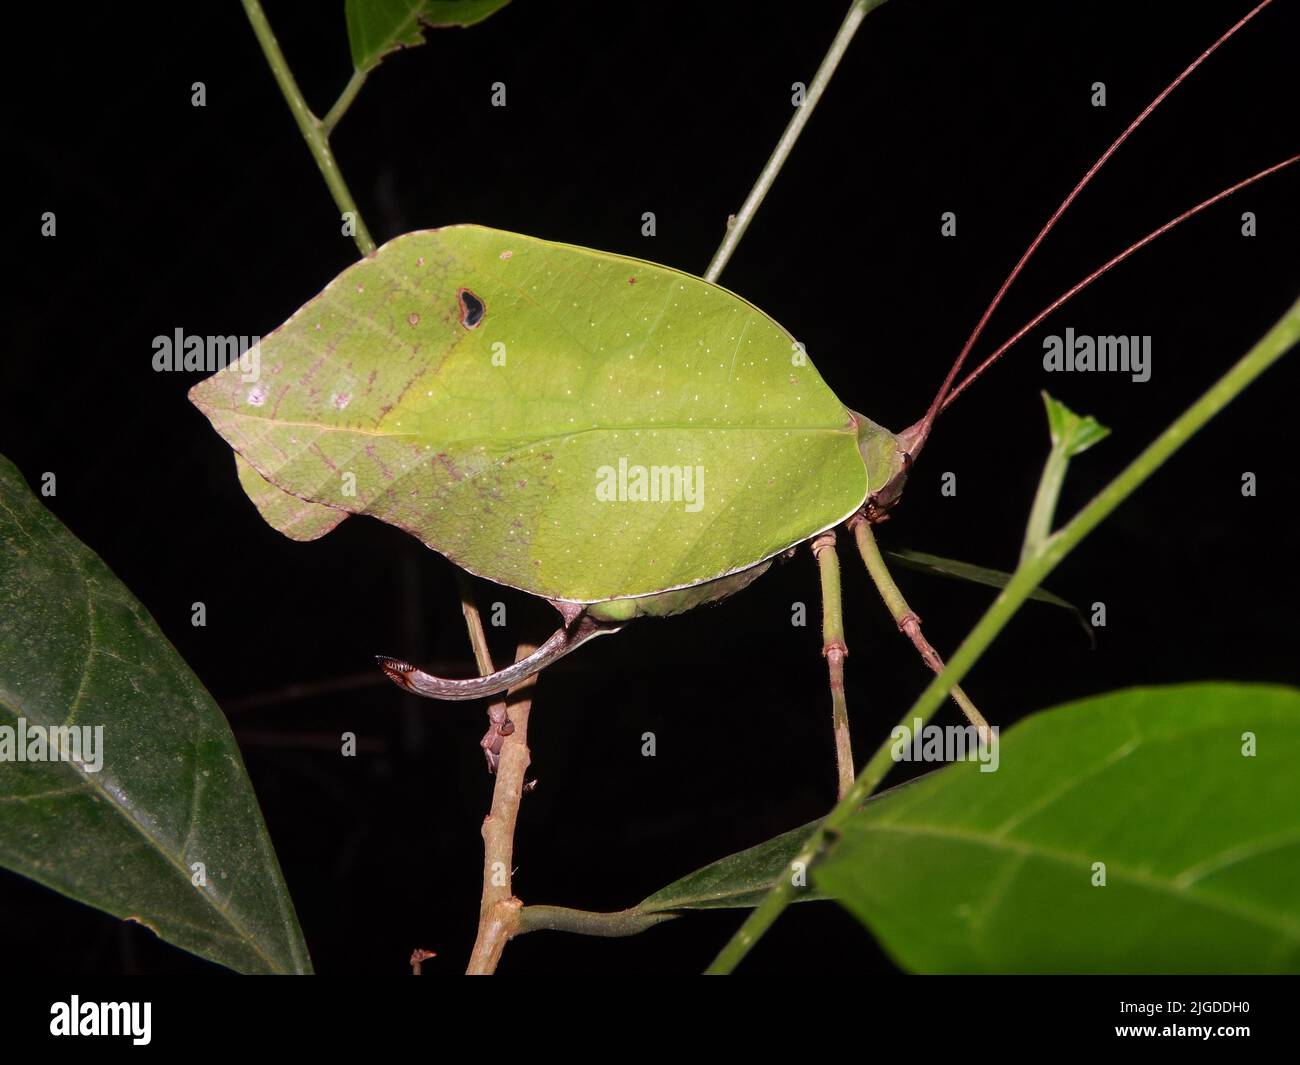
<point x="472" y="308"/>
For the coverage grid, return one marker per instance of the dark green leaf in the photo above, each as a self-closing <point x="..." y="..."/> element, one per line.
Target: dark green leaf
<point x="997" y="872"/>
<point x="738" y="880"/>
<point x="77" y="649"/>
<point x="378" y="27"/>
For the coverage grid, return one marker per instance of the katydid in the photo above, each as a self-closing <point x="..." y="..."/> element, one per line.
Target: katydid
<point x="618" y="437"/>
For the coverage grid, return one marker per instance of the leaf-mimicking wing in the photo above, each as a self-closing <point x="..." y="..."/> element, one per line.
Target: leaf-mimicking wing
<point x="576" y="424"/>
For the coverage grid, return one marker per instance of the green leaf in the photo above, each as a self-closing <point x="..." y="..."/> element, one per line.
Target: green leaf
<point x="738" y="880"/>
<point x="494" y="395"/>
<point x="993" y="578"/>
<point x="995" y="872"/>
<point x="379" y="27"/>
<point x="1075" y="434"/>
<point x="163" y="788"/>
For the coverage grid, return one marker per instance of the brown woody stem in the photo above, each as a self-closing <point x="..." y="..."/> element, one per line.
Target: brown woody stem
<point x="499" y="909"/>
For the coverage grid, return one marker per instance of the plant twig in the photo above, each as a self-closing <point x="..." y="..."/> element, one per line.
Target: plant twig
<point x="499" y="909"/>
<point x="586" y="923"/>
<point x="344" y="101"/>
<point x="835" y="650"/>
<point x="499" y="723"/>
<point x="1040" y="515"/>
<point x="908" y="623"/>
<point x="1028" y="575"/>
<point x="737" y="225"/>
<point x="314" y="132"/>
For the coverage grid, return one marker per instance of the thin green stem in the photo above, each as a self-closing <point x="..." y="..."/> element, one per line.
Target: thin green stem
<point x="1279" y="340"/>
<point x="736" y="226"/>
<point x="344" y="101"/>
<point x="587" y="923"/>
<point x="1044" y="509"/>
<point x="1275" y="343"/>
<point x="313" y="131"/>
<point x="835" y="651"/>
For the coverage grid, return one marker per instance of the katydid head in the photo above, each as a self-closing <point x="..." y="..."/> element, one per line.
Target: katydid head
<point x="887" y="457"/>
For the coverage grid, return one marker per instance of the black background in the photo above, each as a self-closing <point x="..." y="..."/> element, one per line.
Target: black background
<point x="215" y="220"/>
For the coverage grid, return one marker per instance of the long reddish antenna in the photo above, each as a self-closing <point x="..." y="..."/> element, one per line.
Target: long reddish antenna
<point x="1073" y="290"/>
<point x="916" y="435"/>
